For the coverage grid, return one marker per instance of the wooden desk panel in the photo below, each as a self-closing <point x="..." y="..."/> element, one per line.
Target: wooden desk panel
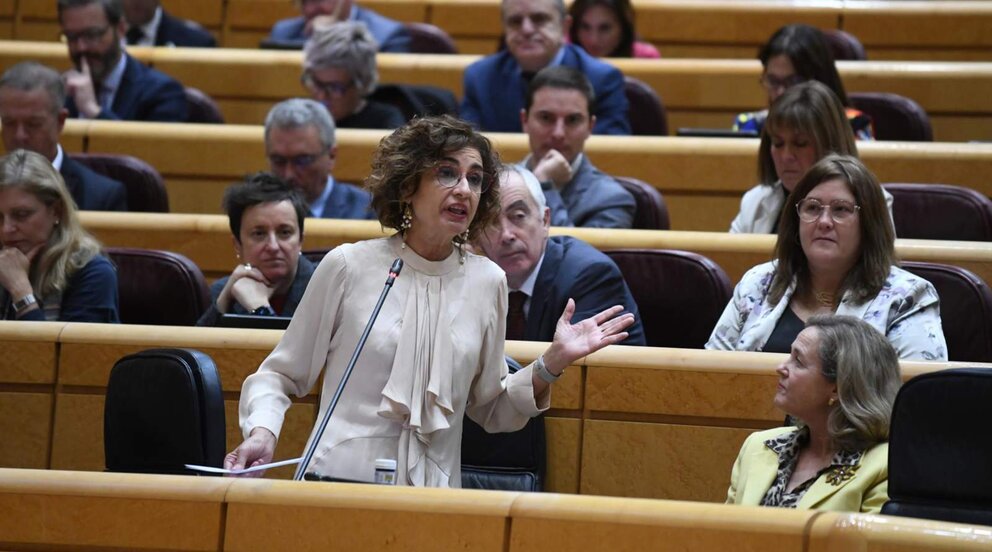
<point x="840" y="532"/>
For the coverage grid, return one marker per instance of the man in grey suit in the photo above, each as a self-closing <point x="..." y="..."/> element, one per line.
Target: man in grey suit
<point x="558" y="119"/>
<point x="299" y="142"/>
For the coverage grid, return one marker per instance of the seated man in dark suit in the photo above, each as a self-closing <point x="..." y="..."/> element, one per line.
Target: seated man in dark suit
<point x="391" y="35"/>
<point x="495" y="86"/>
<point x="105" y="82"/>
<point x="544" y="273"/>
<point x="149" y="25"/>
<point x="31" y="99"/>
<point x="299" y="141"/>
<point x="558" y="119"/>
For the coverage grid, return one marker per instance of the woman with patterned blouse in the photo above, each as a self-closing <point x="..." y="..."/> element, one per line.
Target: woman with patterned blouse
<point x="839" y="383"/>
<point x="835" y="253"/>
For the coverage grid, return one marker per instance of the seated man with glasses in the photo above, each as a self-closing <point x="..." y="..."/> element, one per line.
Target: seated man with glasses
<point x="339" y="71"/>
<point x="299" y="141"/>
<point x="105" y="82"/>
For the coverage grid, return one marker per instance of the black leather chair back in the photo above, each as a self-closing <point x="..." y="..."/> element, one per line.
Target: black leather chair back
<point x="894" y="117"/>
<point x="429" y="39"/>
<point x="844" y="45"/>
<point x="201" y="108"/>
<point x="965" y="309"/>
<point x="650" y="213"/>
<point x="164" y="408"/>
<point x="940" y="212"/>
<point x="679" y="294"/>
<point x="158" y="287"/>
<point x="417" y="100"/>
<point x="645" y="110"/>
<point x="504" y="461"/>
<point x="142" y="183"/>
<point x="939" y="455"/>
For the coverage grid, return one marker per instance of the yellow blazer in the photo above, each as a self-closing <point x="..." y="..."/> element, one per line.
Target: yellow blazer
<point x="757" y="465"/>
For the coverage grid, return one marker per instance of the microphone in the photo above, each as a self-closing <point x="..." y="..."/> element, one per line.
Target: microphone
<point x="394" y="272"/>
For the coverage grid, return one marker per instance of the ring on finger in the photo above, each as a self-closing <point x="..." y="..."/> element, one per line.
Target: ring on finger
<point x="247" y="266"/>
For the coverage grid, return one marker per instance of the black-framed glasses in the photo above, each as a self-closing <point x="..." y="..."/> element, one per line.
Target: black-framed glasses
<point x="771" y="82"/>
<point x="811" y="209"/>
<point x="89" y="36"/>
<point x="298" y="161"/>
<point x="448" y="176"/>
<point x="329" y="88"/>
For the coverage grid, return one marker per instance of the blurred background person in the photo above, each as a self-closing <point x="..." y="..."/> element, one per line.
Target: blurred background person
<point x="606" y="28"/>
<point x="839" y="383"/>
<point x="266" y="218"/>
<point x="340" y="72"/>
<point x="149" y="25"/>
<point x="50" y="268"/>
<point x="835" y="253"/>
<point x="391" y="36"/>
<point x="796" y="54"/>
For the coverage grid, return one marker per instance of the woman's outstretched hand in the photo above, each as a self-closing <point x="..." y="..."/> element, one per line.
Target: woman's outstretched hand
<point x="574" y="341"/>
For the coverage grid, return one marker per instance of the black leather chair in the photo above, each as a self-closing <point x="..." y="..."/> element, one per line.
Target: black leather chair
<point x="894" y="117"/>
<point x="650" y="213"/>
<point x="645" y="110"/>
<point x="965" y="309"/>
<point x="939" y="455"/>
<point x="201" y="108"/>
<point x="158" y="287"/>
<point x="504" y="461"/>
<point x="429" y="39"/>
<point x="679" y="294"/>
<point x="844" y="45"/>
<point x="940" y="212"/>
<point x="164" y="408"/>
<point x="417" y="100"/>
<point x="142" y="183"/>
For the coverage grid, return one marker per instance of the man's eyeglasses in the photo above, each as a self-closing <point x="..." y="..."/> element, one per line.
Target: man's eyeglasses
<point x="298" y="161"/>
<point x="810" y="210"/>
<point x="448" y="176"/>
<point x="773" y="83"/>
<point x="88" y="36"/>
<point x="328" y="88"/>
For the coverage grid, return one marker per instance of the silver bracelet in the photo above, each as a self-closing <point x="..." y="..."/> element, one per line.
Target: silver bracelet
<point x="21" y="305"/>
<point x="542" y="371"/>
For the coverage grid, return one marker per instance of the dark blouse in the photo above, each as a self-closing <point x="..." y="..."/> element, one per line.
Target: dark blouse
<point x="787" y="448"/>
<point x="788" y="327"/>
<point x="374" y="115"/>
<point x="90" y="295"/>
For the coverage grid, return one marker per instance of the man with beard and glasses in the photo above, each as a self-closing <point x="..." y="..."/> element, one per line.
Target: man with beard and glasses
<point x="105" y="82"/>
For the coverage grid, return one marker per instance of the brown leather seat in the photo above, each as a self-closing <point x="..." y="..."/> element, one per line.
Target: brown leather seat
<point x="143" y="184"/>
<point x="679" y="294"/>
<point x="645" y="110"/>
<point x="844" y="45"/>
<point x="965" y="309"/>
<point x="940" y="212"/>
<point x="158" y="287"/>
<point x="201" y="108"/>
<point x="894" y="117"/>
<point x="651" y="213"/>
<point x="429" y="39"/>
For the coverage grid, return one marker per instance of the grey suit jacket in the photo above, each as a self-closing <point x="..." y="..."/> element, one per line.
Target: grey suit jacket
<point x="591" y="199"/>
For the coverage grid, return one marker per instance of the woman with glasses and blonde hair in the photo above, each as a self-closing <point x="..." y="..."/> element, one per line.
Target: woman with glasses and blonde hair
<point x="839" y="384"/>
<point x="835" y="253"/>
<point x="436" y="351"/>
<point x="804" y="125"/>
<point x="793" y="55"/>
<point x="50" y="268"/>
<point x="339" y="70"/>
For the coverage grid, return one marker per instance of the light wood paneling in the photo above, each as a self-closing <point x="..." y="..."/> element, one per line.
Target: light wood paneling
<point x="838" y="532"/>
<point x="26" y="426"/>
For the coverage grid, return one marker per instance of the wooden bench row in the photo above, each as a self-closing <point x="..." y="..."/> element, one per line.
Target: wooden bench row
<point x="696" y="93"/>
<point x="60" y="510"/>
<point x="206" y="240"/>
<point x="681" y="28"/>
<point x="626" y="421"/>
<point x="701" y="179"/>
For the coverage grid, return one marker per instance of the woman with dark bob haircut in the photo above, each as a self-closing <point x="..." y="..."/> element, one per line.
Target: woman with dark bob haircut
<point x="436" y="351"/>
<point x="605" y="28"/>
<point x="794" y="54"/>
<point x="835" y="253"/>
<point x="839" y="384"/>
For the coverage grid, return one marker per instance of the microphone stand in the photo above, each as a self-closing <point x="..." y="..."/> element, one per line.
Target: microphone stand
<point x="394" y="271"/>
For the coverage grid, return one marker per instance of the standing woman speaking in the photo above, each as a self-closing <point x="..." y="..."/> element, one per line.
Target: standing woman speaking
<point x="436" y="350"/>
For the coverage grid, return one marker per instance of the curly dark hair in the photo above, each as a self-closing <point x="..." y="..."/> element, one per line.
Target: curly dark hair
<point x="403" y="156"/>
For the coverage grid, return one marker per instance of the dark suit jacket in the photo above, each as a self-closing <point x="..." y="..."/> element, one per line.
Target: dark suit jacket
<point x="391" y="35"/>
<point x="92" y="191"/>
<point x="495" y="92"/>
<point x="304" y="271"/>
<point x="348" y="202"/>
<point x="144" y="95"/>
<point x="591" y="199"/>
<point x="572" y="268"/>
<point x="173" y="31"/>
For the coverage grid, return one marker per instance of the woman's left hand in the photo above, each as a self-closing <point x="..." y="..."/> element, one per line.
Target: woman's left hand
<point x="574" y="341"/>
<point x="14" y="267"/>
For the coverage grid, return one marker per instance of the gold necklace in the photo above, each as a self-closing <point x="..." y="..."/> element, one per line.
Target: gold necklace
<point x="824" y="298"/>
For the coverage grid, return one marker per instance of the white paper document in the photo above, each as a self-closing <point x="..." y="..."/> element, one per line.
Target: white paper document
<point x="211" y="469"/>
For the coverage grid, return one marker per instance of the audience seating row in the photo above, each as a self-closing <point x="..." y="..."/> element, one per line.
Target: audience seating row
<point x="627" y="421"/>
<point x="687" y="28"/>
<point x="696" y="93"/>
<point x="58" y="510"/>
<point x="702" y="179"/>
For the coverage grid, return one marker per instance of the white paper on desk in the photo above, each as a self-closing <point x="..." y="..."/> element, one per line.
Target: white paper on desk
<point x="211" y="469"/>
